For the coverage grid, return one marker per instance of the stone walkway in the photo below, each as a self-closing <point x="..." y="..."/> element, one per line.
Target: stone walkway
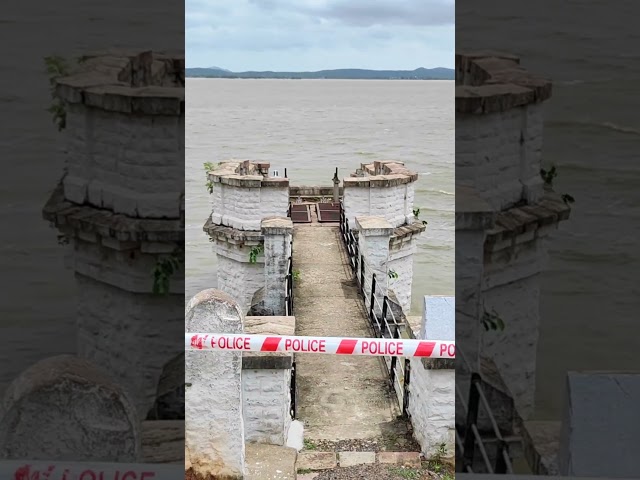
<point x="339" y="397"/>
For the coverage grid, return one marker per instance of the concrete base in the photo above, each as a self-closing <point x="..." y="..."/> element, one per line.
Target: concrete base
<point x="269" y="461"/>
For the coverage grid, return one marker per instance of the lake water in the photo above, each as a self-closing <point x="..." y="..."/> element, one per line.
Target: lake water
<point x="311" y="127"/>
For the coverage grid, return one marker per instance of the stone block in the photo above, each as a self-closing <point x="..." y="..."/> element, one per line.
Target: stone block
<point x="349" y="459"/>
<point x="316" y="460"/>
<point x="599" y="436"/>
<point x="408" y="459"/>
<point x="439" y="321"/>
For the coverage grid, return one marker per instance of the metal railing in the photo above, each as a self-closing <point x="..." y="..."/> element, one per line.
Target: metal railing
<point x="288" y="285"/>
<point x="294" y="392"/>
<point x="470" y="438"/>
<point x="382" y="320"/>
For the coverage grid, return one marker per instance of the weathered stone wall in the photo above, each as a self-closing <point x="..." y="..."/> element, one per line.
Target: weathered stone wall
<point x="387" y="192"/>
<point x="266" y="384"/>
<point x="432" y="407"/>
<point x="239" y="278"/>
<point x="499" y="154"/>
<point x="99" y="335"/>
<point x="244" y="195"/>
<point x="267" y="400"/>
<point x="244" y="208"/>
<point x="123" y="163"/>
<point x="401" y="262"/>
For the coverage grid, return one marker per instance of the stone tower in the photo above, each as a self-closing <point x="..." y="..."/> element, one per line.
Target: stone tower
<point x="386" y="190"/>
<point x="251" y="233"/>
<point x="504" y="214"/>
<point x="120" y="206"/>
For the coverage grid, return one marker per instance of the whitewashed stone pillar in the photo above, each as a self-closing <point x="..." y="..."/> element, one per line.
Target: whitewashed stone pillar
<point x="439" y="381"/>
<point x="277" y="233"/>
<point x="373" y="239"/>
<point x="65" y="407"/>
<point x="214" y="427"/>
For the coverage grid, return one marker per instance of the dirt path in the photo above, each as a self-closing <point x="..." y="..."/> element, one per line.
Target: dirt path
<point x="340" y="397"/>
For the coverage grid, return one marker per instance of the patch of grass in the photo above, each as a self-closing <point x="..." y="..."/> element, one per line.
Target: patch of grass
<point x="435" y="464"/>
<point x="404" y="472"/>
<point x="302" y="471"/>
<point x="308" y="444"/>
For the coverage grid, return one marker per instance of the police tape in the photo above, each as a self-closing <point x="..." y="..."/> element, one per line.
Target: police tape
<point x="329" y="345"/>
<point x="64" y="470"/>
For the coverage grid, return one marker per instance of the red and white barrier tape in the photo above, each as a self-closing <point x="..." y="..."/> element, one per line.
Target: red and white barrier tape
<point x="60" y="470"/>
<point x="329" y="345"/>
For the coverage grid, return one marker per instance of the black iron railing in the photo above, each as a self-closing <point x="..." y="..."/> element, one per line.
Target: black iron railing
<point x="469" y="441"/>
<point x="288" y="285"/>
<point x="382" y="320"/>
<point x="294" y="392"/>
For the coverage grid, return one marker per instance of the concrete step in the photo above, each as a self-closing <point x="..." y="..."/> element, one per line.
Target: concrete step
<point x="270" y="462"/>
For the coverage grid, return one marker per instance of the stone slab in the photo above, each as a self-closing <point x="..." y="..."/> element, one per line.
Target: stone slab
<point x="349" y="459"/>
<point x="270" y="462"/>
<point x="400" y="458"/>
<point x="600" y="425"/>
<point x="310" y="460"/>
<point x="373" y="226"/>
<point x="439" y="321"/>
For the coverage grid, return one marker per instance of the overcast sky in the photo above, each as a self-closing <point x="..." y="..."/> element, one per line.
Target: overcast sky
<point x="308" y="35"/>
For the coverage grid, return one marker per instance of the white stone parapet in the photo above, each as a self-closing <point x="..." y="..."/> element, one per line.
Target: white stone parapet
<point x="243" y="194"/>
<point x="125" y="133"/>
<point x="384" y="189"/>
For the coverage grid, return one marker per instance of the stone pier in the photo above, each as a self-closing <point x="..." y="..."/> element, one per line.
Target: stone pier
<point x="505" y="212"/>
<point x="121" y="209"/>
<point x="243" y="195"/>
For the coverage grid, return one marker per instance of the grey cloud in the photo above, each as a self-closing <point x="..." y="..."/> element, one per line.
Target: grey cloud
<point x="365" y="13"/>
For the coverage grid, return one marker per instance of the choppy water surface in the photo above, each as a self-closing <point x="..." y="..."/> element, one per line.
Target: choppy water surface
<point x="313" y="126"/>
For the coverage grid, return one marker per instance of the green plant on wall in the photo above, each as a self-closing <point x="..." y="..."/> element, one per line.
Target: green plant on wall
<point x="164" y="269"/>
<point x="57" y="67"/>
<point x="296" y="275"/>
<point x="393" y="274"/>
<point x="492" y="321"/>
<point x="548" y="176"/>
<point x="208" y="166"/>
<point x="255" y="252"/>
<point x="416" y="213"/>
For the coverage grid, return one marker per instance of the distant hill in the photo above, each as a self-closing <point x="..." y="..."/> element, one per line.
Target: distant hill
<point x="344" y="73"/>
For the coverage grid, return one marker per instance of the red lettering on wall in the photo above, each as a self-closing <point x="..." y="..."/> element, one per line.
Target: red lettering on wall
<point x="87" y="475"/>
